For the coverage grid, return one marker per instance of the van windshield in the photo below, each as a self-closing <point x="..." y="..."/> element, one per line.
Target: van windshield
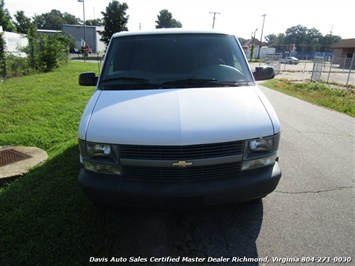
<point x="174" y="61"/>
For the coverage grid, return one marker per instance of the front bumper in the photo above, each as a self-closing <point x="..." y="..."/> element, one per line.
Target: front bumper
<point x="184" y="194"/>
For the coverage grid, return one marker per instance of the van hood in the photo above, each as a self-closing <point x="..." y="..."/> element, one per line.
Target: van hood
<point x="176" y="116"/>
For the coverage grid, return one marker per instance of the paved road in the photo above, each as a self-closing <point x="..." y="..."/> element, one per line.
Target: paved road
<point x="311" y="213"/>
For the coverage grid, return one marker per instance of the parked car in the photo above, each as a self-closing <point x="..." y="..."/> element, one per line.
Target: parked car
<point x="177" y="121"/>
<point x="290" y="60"/>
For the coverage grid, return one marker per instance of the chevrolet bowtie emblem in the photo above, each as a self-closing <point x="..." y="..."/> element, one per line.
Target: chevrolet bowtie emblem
<point x="182" y="164"/>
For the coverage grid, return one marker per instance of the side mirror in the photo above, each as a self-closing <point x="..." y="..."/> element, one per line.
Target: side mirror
<point x="264" y="73"/>
<point x="88" y="79"/>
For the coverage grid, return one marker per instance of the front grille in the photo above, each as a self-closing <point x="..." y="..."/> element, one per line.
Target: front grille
<point x="228" y="170"/>
<point x="187" y="152"/>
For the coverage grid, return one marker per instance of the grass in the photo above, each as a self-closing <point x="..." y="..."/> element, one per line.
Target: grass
<point x="341" y="100"/>
<point x="42" y="215"/>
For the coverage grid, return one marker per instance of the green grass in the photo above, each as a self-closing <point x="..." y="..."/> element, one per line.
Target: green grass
<point x="44" y="217"/>
<point x="341" y="100"/>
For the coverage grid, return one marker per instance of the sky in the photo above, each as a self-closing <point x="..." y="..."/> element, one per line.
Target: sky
<point x="239" y="17"/>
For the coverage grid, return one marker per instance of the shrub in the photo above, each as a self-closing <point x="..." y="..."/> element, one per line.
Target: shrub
<point x="2" y="57"/>
<point x="16" y="66"/>
<point x="46" y="52"/>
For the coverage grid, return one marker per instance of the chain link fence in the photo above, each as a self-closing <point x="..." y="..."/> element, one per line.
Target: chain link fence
<point x="274" y="60"/>
<point x="335" y="70"/>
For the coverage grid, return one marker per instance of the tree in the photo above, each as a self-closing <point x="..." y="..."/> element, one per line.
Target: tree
<point x="327" y="41"/>
<point x="5" y="18"/>
<point x="22" y="22"/>
<point x="297" y="35"/>
<point x="44" y="52"/>
<point x="50" y="21"/>
<point x="2" y="57"/>
<point x="276" y="41"/>
<point x="166" y="20"/>
<point x="114" y="20"/>
<point x="306" y="40"/>
<point x="54" y="20"/>
<point x="70" y="19"/>
<point x="94" y="22"/>
<point x="2" y="44"/>
<point x="313" y="40"/>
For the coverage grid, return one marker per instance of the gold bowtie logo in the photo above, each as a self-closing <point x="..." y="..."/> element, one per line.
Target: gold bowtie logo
<point x="182" y="164"/>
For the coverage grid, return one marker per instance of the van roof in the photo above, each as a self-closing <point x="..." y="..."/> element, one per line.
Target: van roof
<point x="166" y="31"/>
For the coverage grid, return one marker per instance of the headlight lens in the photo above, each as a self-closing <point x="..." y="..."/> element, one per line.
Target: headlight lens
<point x="260" y="152"/>
<point x="260" y="162"/>
<point x="102" y="168"/>
<point x="261" y="144"/>
<point x="98" y="150"/>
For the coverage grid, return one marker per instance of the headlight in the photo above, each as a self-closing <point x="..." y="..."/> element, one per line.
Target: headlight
<point x="260" y="162"/>
<point x="98" y="150"/>
<point x="102" y="168"/>
<point x="261" y="144"/>
<point x="260" y="152"/>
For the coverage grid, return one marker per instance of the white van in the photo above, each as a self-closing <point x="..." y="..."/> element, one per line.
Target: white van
<point x="177" y="121"/>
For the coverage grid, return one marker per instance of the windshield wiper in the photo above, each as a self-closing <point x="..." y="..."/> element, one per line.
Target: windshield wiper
<point x="238" y="83"/>
<point x="205" y="83"/>
<point x="131" y="81"/>
<point x="191" y="81"/>
<point x="128" y="79"/>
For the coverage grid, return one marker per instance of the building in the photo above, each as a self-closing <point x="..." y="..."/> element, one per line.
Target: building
<point x="14" y="43"/>
<point x="89" y="34"/>
<point x="344" y="52"/>
<point x="264" y="52"/>
<point x="48" y="32"/>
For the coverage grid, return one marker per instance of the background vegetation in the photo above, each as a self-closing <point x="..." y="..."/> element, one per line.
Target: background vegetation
<point x="341" y="100"/>
<point x="44" y="53"/>
<point x="114" y="19"/>
<point x="305" y="39"/>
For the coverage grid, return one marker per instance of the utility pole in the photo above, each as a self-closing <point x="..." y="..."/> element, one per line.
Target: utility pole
<point x="214" y="17"/>
<point x="82" y="1"/>
<point x="252" y="46"/>
<point x="261" y="38"/>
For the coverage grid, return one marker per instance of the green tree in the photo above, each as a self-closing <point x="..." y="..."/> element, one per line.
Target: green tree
<point x="313" y="40"/>
<point x="2" y="44"/>
<point x="297" y="35"/>
<point x="114" y="20"/>
<point x="306" y="40"/>
<point x="276" y="41"/>
<point x="2" y="57"/>
<point x="44" y="52"/>
<point x="166" y="20"/>
<point x="94" y="22"/>
<point x="5" y="18"/>
<point x="22" y="22"/>
<point x="31" y="49"/>
<point x="50" y="21"/>
<point x="54" y="20"/>
<point x="327" y="41"/>
<point x="70" y="19"/>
